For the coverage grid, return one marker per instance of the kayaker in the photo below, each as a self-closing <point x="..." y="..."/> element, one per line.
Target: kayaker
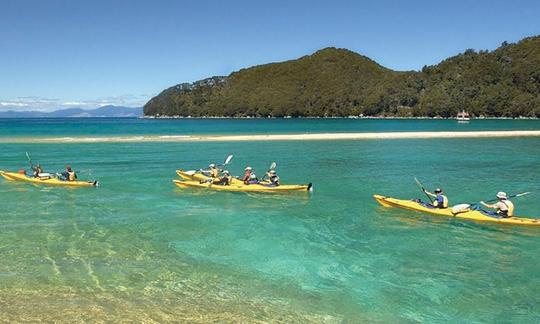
<point x="212" y="171"/>
<point x="441" y="201"/>
<point x="37" y="170"/>
<point x="252" y="179"/>
<point x="273" y="177"/>
<point x="225" y="180"/>
<point x="247" y="173"/>
<point x="503" y="208"/>
<point x="69" y="174"/>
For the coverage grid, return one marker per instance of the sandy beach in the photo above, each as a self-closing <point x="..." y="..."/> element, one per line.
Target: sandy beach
<point x="274" y="137"/>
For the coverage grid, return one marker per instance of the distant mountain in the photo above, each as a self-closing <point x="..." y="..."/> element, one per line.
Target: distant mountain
<point x="105" y="111"/>
<point x="337" y="82"/>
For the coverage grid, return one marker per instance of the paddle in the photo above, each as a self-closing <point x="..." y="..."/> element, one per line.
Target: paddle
<point x="227" y="160"/>
<point x="511" y="196"/>
<point x="29" y="160"/>
<point x="423" y="190"/>
<point x="272" y="167"/>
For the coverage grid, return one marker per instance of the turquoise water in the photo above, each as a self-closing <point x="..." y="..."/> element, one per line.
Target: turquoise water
<point x="30" y="127"/>
<point x="138" y="248"/>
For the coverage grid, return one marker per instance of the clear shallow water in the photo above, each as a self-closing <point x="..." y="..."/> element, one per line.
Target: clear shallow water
<point x="29" y="127"/>
<point x="138" y="248"/>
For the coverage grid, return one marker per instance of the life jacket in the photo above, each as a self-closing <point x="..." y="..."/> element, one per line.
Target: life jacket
<point x="71" y="176"/>
<point x="441" y="201"/>
<point x="37" y="171"/>
<point x="225" y="180"/>
<point x="510" y="209"/>
<point x="274" y="180"/>
<point x="253" y="181"/>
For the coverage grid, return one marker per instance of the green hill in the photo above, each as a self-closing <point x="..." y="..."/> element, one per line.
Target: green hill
<point x="338" y="82"/>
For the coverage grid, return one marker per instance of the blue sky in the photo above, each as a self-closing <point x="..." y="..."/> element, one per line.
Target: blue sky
<point x="59" y="54"/>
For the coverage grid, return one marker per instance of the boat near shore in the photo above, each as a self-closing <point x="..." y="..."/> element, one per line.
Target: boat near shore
<point x="463" y="117"/>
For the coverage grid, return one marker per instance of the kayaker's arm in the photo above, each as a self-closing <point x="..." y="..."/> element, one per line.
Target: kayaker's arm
<point x="205" y="172"/>
<point x="429" y="193"/>
<point x="487" y="205"/>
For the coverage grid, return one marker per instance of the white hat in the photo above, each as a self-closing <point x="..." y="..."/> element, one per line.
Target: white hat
<point x="248" y="168"/>
<point x="272" y="171"/>
<point x="212" y="165"/>
<point x="501" y="195"/>
<point x="225" y="172"/>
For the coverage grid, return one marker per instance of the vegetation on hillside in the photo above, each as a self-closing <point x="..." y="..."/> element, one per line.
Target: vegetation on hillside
<point x="338" y="82"/>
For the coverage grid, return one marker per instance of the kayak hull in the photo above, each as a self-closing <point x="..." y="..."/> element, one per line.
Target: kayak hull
<point x="473" y="215"/>
<point x="11" y="176"/>
<point x="243" y="188"/>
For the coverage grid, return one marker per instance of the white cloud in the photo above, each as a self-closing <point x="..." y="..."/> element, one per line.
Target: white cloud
<point x="49" y="104"/>
<point x="14" y="104"/>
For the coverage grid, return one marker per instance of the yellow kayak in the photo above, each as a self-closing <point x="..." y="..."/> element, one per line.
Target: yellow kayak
<point x="198" y="176"/>
<point x="474" y="215"/>
<point x="243" y="187"/>
<point x="12" y="176"/>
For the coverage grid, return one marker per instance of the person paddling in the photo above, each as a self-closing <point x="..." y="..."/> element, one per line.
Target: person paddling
<point x="69" y="174"/>
<point x="441" y="201"/>
<point x="247" y="173"/>
<point x="225" y="180"/>
<point x="273" y="177"/>
<point x="252" y="179"/>
<point x="212" y="171"/>
<point x="37" y="170"/>
<point x="503" y="208"/>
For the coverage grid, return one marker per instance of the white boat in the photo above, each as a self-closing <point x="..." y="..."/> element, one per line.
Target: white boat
<point x="463" y="117"/>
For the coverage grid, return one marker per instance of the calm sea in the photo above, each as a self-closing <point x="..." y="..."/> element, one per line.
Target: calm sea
<point x="138" y="248"/>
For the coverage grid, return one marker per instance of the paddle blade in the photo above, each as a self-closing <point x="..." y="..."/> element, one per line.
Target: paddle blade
<point x="191" y="172"/>
<point x="272" y="166"/>
<point x="522" y="194"/>
<point x="228" y="159"/>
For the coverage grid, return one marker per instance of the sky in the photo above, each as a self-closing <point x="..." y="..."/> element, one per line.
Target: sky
<point x="73" y="53"/>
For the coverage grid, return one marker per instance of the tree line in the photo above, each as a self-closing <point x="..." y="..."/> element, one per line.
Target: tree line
<point x="337" y="83"/>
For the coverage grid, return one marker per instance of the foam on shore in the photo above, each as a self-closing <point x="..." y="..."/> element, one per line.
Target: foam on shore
<point x="272" y="137"/>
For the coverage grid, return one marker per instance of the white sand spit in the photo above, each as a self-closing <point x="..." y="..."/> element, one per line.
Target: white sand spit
<point x="274" y="137"/>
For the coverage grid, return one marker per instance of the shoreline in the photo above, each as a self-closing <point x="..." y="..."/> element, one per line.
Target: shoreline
<point x="334" y="117"/>
<point x="273" y="137"/>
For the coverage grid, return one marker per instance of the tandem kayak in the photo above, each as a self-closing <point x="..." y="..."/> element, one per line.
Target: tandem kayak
<point x="243" y="187"/>
<point x="193" y="175"/>
<point x="11" y="176"/>
<point x="474" y="215"/>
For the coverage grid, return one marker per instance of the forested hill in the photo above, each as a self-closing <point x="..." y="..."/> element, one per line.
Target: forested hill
<point x="337" y="82"/>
